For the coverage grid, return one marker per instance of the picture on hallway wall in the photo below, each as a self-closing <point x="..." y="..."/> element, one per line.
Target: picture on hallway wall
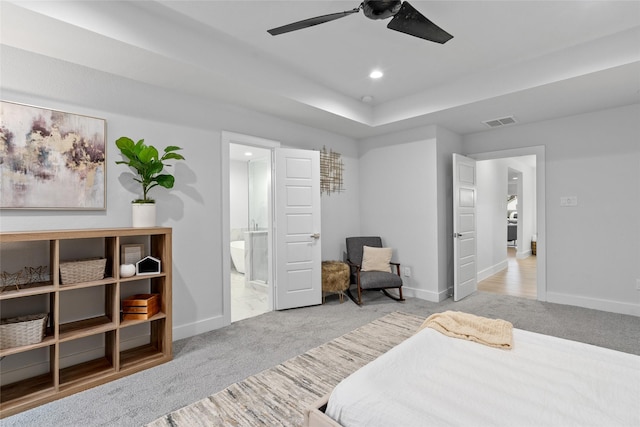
<point x="51" y="159"/>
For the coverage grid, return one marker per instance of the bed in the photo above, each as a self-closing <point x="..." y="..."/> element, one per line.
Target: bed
<point x="434" y="380"/>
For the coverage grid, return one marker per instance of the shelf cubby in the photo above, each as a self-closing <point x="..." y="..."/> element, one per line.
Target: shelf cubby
<point x="20" y="390"/>
<point x="86" y="341"/>
<point x="153" y="348"/>
<point x="101" y="359"/>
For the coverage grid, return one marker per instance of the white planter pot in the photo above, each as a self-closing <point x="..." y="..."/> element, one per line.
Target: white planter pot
<point x="143" y="214"/>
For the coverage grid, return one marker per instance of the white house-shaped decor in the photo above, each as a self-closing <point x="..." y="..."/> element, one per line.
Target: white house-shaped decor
<point x="148" y="265"/>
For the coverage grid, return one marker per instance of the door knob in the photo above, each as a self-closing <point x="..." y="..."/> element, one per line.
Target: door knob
<point x="455" y="235"/>
<point x="316" y="235"/>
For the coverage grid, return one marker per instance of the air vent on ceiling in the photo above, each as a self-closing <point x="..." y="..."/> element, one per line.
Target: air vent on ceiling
<point x="494" y="123"/>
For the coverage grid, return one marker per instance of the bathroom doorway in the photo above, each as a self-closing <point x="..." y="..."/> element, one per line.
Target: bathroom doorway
<point x="293" y="202"/>
<point x="250" y="184"/>
<point x="250" y="219"/>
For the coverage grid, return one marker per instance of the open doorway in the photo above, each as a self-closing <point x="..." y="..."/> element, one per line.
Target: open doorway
<point x="247" y="226"/>
<point x="290" y="229"/>
<point x="510" y="222"/>
<point x="249" y="205"/>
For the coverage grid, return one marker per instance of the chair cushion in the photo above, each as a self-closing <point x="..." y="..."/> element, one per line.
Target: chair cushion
<point x="355" y="244"/>
<point x="376" y="259"/>
<point x="379" y="280"/>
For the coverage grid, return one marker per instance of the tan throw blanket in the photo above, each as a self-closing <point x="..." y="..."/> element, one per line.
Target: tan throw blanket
<point x="492" y="332"/>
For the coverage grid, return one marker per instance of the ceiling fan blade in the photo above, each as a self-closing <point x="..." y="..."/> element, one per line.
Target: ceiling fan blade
<point x="311" y="22"/>
<point x="409" y="21"/>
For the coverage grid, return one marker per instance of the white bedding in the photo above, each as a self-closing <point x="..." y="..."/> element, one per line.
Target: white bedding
<point x="434" y="380"/>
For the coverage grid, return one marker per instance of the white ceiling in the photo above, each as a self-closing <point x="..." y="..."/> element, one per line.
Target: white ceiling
<point x="534" y="60"/>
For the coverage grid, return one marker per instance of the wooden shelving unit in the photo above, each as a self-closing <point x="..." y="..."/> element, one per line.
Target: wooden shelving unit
<point x="115" y="348"/>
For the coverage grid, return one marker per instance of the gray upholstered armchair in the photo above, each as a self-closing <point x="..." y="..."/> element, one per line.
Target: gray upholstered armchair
<point x="366" y="278"/>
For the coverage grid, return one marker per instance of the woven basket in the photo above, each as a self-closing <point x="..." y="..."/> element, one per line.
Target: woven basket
<point x="23" y="330"/>
<point x="86" y="270"/>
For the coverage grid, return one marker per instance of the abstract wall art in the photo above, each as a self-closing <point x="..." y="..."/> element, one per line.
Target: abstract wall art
<point x="331" y="169"/>
<point x="51" y="159"/>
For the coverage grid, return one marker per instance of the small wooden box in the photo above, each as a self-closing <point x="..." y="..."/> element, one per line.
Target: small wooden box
<point x="140" y="306"/>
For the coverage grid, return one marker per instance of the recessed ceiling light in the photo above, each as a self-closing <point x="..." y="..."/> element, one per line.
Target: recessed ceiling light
<point x="367" y="98"/>
<point x="248" y="153"/>
<point x="376" y="74"/>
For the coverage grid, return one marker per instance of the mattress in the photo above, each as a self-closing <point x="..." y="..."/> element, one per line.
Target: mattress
<point x="434" y="380"/>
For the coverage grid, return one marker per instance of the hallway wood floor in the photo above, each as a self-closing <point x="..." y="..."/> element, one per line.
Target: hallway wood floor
<point x="518" y="279"/>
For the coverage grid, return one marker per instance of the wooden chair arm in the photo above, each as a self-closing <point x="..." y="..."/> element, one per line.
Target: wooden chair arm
<point x="356" y="266"/>
<point x="397" y="264"/>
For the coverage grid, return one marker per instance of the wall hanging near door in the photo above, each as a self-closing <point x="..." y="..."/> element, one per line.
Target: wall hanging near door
<point x="51" y="159"/>
<point x="331" y="169"/>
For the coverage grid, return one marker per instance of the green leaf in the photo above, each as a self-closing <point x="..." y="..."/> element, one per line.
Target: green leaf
<point x="139" y="146"/>
<point x="166" y="181"/>
<point x="155" y="167"/>
<point x="172" y="148"/>
<point x="175" y="156"/>
<point x="124" y="143"/>
<point x="147" y="154"/>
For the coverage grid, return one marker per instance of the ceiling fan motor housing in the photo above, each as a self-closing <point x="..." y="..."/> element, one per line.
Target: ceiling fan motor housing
<point x="380" y="9"/>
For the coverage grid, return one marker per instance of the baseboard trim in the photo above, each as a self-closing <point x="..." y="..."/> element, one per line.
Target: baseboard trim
<point x="196" y="328"/>
<point x="488" y="272"/>
<point x="425" y="295"/>
<point x="523" y="255"/>
<point x="594" y="303"/>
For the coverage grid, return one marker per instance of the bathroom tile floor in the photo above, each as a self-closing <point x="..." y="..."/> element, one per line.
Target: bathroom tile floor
<point x="246" y="301"/>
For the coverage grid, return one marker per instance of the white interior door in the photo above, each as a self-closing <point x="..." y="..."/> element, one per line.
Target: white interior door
<point x="465" y="280"/>
<point x="297" y="228"/>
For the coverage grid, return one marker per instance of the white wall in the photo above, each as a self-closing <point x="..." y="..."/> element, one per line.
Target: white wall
<point x="406" y="197"/>
<point x="259" y="182"/>
<point x="526" y="205"/>
<point x="593" y="249"/>
<point x="238" y="195"/>
<point x="491" y="218"/>
<point x="341" y="211"/>
<point x="193" y="207"/>
<point x="398" y="201"/>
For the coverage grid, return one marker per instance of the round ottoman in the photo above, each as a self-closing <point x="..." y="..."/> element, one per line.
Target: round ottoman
<point x="335" y="278"/>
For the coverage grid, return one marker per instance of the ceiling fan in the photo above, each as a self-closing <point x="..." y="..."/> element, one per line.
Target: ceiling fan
<point x="406" y="19"/>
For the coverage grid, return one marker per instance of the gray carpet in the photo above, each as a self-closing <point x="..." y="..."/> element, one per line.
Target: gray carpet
<point x="210" y="362"/>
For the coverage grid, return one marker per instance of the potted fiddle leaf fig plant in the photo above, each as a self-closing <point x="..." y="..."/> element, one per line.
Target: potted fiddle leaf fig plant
<point x="145" y="160"/>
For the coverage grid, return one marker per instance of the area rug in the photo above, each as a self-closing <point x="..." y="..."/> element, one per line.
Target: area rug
<point x="278" y="396"/>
